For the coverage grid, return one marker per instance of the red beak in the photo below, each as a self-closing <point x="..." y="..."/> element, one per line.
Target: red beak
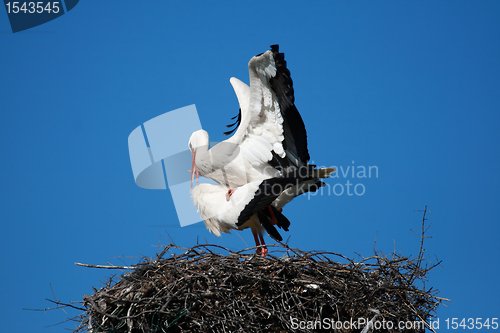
<point x="194" y="170"/>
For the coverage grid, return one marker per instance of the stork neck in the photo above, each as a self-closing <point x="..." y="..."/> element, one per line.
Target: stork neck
<point x="202" y="160"/>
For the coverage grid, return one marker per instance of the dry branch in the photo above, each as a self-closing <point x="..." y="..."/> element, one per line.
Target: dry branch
<point x="208" y="288"/>
<point x="204" y="291"/>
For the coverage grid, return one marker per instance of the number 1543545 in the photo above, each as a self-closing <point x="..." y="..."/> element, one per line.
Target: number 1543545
<point x="29" y="7"/>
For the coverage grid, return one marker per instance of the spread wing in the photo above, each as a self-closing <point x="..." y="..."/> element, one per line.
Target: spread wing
<point x="294" y="130"/>
<point x="269" y="128"/>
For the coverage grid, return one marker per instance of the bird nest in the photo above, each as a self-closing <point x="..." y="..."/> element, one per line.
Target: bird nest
<point x="208" y="288"/>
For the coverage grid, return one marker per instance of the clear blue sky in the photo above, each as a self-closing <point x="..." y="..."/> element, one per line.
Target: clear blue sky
<point x="412" y="87"/>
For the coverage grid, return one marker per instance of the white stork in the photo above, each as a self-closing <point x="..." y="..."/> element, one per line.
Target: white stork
<point x="267" y="151"/>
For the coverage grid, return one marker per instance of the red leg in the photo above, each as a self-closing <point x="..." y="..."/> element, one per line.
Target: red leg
<point x="257" y="243"/>
<point x="264" y="248"/>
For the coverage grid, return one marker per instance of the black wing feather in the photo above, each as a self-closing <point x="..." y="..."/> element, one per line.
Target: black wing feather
<point x="237" y="123"/>
<point x="271" y="230"/>
<point x="295" y="142"/>
<point x="283" y="222"/>
<point x="268" y="191"/>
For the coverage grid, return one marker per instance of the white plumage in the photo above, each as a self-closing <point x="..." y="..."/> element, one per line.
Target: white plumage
<point x="259" y="133"/>
<point x="221" y="215"/>
<point x="270" y="142"/>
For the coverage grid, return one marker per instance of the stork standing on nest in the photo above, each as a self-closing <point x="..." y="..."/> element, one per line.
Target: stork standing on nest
<point x="264" y="164"/>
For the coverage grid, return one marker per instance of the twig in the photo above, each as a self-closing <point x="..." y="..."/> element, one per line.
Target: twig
<point x="105" y="266"/>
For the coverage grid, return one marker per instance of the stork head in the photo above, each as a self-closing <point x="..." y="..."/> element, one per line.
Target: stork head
<point x="198" y="139"/>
